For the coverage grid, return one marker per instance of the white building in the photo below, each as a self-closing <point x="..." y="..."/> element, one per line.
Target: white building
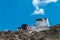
<point x="40" y="25"/>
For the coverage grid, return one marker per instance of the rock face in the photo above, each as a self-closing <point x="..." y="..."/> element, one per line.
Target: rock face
<point x="52" y="34"/>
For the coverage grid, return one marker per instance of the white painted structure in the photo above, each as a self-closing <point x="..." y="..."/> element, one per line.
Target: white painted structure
<point x="42" y="22"/>
<point x="40" y="25"/>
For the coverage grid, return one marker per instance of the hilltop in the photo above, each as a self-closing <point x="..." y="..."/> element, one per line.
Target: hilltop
<point x="52" y="34"/>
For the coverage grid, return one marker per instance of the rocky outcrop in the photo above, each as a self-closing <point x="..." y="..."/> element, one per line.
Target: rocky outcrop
<point x="52" y="34"/>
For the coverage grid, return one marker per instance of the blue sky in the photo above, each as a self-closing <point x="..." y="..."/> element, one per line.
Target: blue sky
<point x="13" y="13"/>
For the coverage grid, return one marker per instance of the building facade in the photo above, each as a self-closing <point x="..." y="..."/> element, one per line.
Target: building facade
<point x="40" y="25"/>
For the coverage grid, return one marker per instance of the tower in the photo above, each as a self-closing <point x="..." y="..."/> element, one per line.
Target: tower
<point x="45" y="22"/>
<point x="42" y="22"/>
<point x="39" y="22"/>
<point x="40" y="25"/>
